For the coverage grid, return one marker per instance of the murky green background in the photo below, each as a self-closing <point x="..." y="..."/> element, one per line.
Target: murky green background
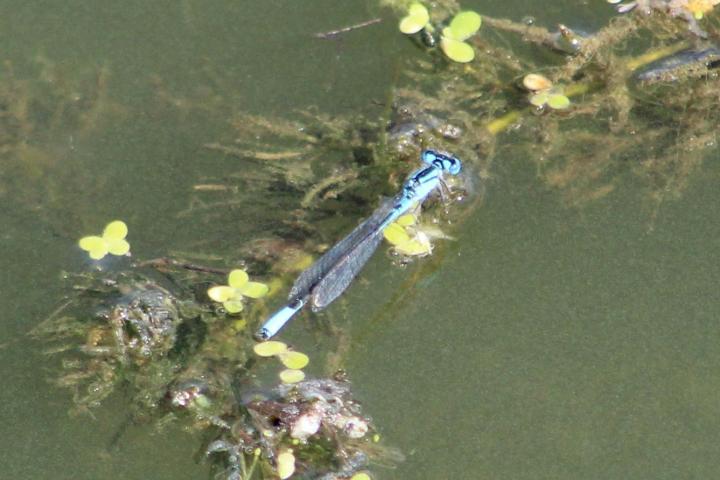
<point x="551" y="342"/>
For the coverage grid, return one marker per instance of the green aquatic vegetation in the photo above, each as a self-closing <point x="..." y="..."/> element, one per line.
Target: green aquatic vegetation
<point x="111" y="241"/>
<point x="406" y="239"/>
<point x="291" y="375"/>
<point x="452" y="38"/>
<point x="544" y="93"/>
<point x="553" y="97"/>
<point x="174" y="355"/>
<point x="417" y="19"/>
<point x="574" y="157"/>
<point x="308" y="427"/>
<point x="239" y="286"/>
<point x="689" y="10"/>
<point x="452" y="42"/>
<point x="285" y="464"/>
<point x="127" y="340"/>
<point x="294" y="361"/>
<point x="270" y="348"/>
<point x="361" y="476"/>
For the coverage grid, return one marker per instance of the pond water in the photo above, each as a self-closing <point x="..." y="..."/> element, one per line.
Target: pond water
<point x="546" y="341"/>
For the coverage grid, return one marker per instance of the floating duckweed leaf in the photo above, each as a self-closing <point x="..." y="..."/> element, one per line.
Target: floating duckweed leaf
<point x="406" y="220"/>
<point x="285" y="464"/>
<point x="292" y="376"/>
<point x="456" y="50"/>
<point x="361" y="476"/>
<point x="254" y="289"/>
<point x="238" y="278"/>
<point x="115" y="230"/>
<point x="233" y="306"/>
<point x="270" y="349"/>
<point x="294" y="360"/>
<point x="416" y="19"/>
<point x="415" y="247"/>
<point x="464" y="25"/>
<point x="395" y="234"/>
<point x="117" y="246"/>
<point x="558" y="101"/>
<point x="92" y="243"/>
<point x="221" y="293"/>
<point x="112" y="241"/>
<point x="540" y="98"/>
<point x="98" y="253"/>
<point x="409" y="240"/>
<point x="554" y="97"/>
<point x="231" y="295"/>
<point x="536" y="82"/>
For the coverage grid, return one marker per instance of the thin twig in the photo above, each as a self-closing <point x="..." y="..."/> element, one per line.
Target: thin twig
<point x="164" y="262"/>
<point x="335" y="33"/>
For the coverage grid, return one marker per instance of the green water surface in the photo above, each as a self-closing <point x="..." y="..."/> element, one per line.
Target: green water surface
<point x="549" y="343"/>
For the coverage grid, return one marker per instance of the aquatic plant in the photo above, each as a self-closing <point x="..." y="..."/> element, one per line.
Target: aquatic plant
<point x="111" y="241"/>
<point x="406" y="238"/>
<point x="417" y="18"/>
<point x="452" y="41"/>
<point x="128" y="339"/>
<point x="543" y="92"/>
<point x="689" y="10"/>
<point x="651" y="114"/>
<point x="293" y="361"/>
<point x="239" y="286"/>
<point x="452" y="38"/>
<point x="313" y="427"/>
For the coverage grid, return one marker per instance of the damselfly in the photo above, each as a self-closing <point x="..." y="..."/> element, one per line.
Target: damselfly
<point x="327" y="278"/>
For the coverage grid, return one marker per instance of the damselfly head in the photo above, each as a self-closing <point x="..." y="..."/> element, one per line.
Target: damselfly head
<point x="447" y="163"/>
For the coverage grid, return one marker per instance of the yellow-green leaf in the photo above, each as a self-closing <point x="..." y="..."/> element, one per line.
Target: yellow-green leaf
<point x="416" y="19"/>
<point x="294" y="360"/>
<point x="558" y="101"/>
<point x="406" y="220"/>
<point x="238" y="278"/>
<point x="361" y="476"/>
<point x="270" y="349"/>
<point x="292" y="376"/>
<point x="414" y="247"/>
<point x="539" y="99"/>
<point x="254" y="289"/>
<point x="395" y="234"/>
<point x="464" y="25"/>
<point x="98" y="253"/>
<point x="456" y="50"/>
<point x="117" y="246"/>
<point x="233" y="306"/>
<point x="115" y="230"/>
<point x="91" y="243"/>
<point x="285" y="464"/>
<point x="221" y="293"/>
